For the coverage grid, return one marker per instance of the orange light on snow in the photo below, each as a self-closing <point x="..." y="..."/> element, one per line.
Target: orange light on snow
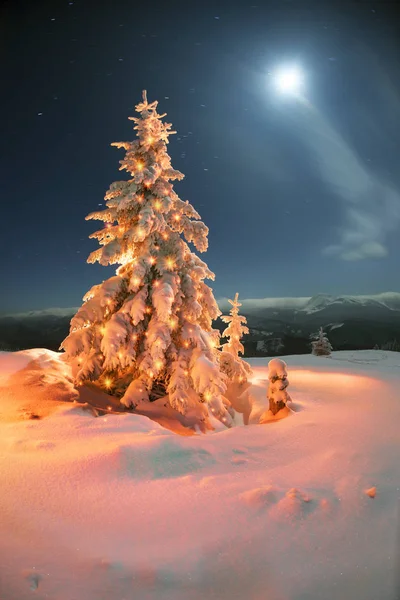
<point x="335" y="380"/>
<point x="327" y="379"/>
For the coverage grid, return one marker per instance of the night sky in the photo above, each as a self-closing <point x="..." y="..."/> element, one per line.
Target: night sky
<point x="299" y="199"/>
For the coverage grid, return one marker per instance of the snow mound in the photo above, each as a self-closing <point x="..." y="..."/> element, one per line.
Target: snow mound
<point x="119" y="506"/>
<point x="260" y="497"/>
<point x="295" y="504"/>
<point x="33" y="383"/>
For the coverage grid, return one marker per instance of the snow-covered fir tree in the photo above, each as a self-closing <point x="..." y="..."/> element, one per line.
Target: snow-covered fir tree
<point x="147" y="331"/>
<point x="278" y="382"/>
<point x="236" y="329"/>
<point x="321" y="345"/>
<point x="236" y="369"/>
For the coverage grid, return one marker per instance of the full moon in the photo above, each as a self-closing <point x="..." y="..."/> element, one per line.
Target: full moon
<point x="288" y="80"/>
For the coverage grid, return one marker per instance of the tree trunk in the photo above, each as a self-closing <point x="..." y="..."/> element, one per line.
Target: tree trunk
<point x="274" y="406"/>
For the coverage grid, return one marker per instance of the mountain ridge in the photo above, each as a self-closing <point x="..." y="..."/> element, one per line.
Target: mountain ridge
<point x="308" y="304"/>
<point x="277" y="325"/>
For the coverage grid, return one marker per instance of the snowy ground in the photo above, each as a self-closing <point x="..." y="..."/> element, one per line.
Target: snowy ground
<point x="119" y="507"/>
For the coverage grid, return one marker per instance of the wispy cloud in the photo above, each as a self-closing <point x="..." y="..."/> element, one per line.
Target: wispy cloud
<point x="371" y="206"/>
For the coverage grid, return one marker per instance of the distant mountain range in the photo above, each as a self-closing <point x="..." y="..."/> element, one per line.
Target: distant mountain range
<point x="386" y="300"/>
<point x="277" y="325"/>
<point x="284" y="325"/>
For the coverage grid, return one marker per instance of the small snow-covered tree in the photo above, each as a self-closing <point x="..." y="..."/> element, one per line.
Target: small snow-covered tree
<point x="147" y="331"/>
<point x="321" y="346"/>
<point x="278" y="382"/>
<point x="232" y="365"/>
<point x="236" y="328"/>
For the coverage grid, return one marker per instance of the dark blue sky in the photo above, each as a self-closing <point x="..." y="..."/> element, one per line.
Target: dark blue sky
<point x="299" y="199"/>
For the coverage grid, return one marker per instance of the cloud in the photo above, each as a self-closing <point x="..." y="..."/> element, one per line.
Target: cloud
<point x="367" y="250"/>
<point x="371" y="206"/>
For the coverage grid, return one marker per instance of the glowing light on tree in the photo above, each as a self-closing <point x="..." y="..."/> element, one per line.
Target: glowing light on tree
<point x="145" y="326"/>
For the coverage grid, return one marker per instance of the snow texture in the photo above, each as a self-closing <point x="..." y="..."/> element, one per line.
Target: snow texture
<point x="140" y="506"/>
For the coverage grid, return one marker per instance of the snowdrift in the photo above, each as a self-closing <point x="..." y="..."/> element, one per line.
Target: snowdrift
<point x="120" y="506"/>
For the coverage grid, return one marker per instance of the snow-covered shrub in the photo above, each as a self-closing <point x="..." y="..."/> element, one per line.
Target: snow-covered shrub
<point x="278" y="382"/>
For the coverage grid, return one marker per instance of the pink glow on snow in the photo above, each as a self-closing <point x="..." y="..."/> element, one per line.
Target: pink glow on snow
<point x="329" y="379"/>
<point x="340" y="381"/>
<point x="121" y="507"/>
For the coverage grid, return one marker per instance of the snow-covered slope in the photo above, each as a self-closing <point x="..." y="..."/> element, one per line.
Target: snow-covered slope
<point x="390" y="300"/>
<point x="120" y="507"/>
<point x="255" y="304"/>
<point x="309" y="305"/>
